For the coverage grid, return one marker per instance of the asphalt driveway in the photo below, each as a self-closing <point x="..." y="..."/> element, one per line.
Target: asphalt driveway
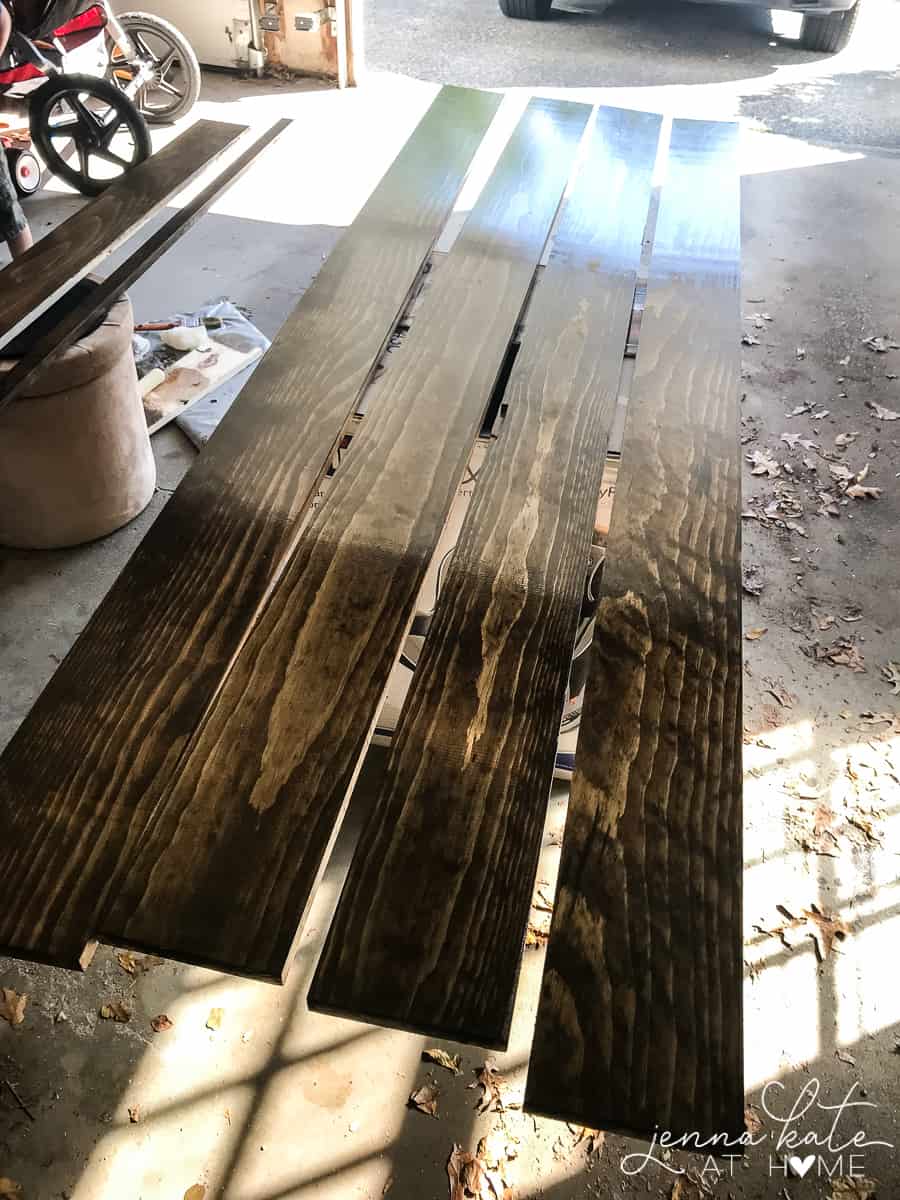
<point x="690" y="59"/>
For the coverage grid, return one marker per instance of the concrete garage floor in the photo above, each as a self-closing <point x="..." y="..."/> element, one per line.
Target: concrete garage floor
<point x="280" y="1103"/>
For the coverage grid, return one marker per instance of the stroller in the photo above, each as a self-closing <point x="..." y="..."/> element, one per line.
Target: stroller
<point x="87" y="129"/>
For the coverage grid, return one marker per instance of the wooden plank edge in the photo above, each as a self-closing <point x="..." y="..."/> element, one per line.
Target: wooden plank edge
<point x="105" y="294"/>
<point x="150" y="165"/>
<point x="71" y="957"/>
<point x="731" y="1126"/>
<point x="498" y="1038"/>
<point x="275" y="962"/>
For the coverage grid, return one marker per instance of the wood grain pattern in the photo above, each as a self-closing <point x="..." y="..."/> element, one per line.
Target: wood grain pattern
<point x="82" y="317"/>
<point x="31" y="284"/>
<point x="639" y="1023"/>
<point x="236" y="846"/>
<point x="428" y="934"/>
<point x="81" y="778"/>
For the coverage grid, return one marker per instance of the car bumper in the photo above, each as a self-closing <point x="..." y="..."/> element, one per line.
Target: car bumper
<point x="803" y="6"/>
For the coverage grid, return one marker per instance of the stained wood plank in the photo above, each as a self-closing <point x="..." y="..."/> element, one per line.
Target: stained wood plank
<point x="81" y="778"/>
<point x="82" y="317"/>
<point x="639" y="1022"/>
<point x="429" y="930"/>
<point x="237" y="844"/>
<point x="31" y="284"/>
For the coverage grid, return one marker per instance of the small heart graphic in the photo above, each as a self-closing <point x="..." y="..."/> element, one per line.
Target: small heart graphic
<point x="799" y="1166"/>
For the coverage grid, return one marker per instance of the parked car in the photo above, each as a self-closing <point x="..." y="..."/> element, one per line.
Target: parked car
<point x="826" y="26"/>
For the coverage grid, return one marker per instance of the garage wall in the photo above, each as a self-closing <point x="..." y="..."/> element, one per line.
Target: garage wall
<point x="315" y="53"/>
<point x="219" y="31"/>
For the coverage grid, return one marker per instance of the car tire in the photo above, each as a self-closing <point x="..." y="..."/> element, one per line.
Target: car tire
<point x="526" y="10"/>
<point x="830" y="33"/>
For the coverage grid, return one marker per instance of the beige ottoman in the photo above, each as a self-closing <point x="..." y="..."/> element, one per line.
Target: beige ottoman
<point x="75" y="457"/>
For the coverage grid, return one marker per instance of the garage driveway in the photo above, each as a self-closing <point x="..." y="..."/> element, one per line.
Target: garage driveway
<point x="698" y="60"/>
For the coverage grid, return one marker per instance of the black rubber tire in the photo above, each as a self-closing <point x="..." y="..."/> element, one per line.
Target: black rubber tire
<point x="42" y="102"/>
<point x="830" y="33"/>
<point x="526" y="10"/>
<point x="134" y="22"/>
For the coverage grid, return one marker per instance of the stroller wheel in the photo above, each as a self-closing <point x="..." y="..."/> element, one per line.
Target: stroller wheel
<point x="87" y="131"/>
<point x="25" y="170"/>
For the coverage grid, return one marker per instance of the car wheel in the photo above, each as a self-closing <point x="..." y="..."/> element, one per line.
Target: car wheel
<point x="526" y="10"/>
<point x="830" y="33"/>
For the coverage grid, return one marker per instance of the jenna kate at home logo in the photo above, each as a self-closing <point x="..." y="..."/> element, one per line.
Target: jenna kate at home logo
<point x="794" y="1148"/>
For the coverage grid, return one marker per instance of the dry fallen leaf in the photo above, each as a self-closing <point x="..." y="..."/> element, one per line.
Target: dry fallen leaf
<point x="762" y="463"/>
<point x="134" y="1114"/>
<point x="115" y="1010"/>
<point x="595" y="1139"/>
<point x="450" y="1062"/>
<point x="841" y="653"/>
<point x="881" y="718"/>
<point x="883" y="414"/>
<point x="424" y="1099"/>
<point x="858" y="492"/>
<point x="845" y="439"/>
<point x="865" y="827"/>
<point x="490" y="1082"/>
<point x="752" y="1123"/>
<point x="537" y="935"/>
<point x="9" y="1189"/>
<point x="196" y="1192"/>
<point x="748" y="340"/>
<point x="882" y="344"/>
<point x="845" y="1057"/>
<point x="782" y="695"/>
<point x="824" y="930"/>
<point x="467" y="1176"/>
<point x="136" y="966"/>
<point x="841" y="472"/>
<point x="752" y="580"/>
<point x="855" y="1187"/>
<point x="688" y="1187"/>
<point x="891" y="672"/>
<point x="161" y="1023"/>
<point x="753" y="635"/>
<point x="214" y="1020"/>
<point x="12" y="1006"/>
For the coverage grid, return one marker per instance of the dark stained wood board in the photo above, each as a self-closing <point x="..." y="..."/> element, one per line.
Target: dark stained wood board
<point x="92" y="307"/>
<point x="81" y="777"/>
<point x="429" y="930"/>
<point x="30" y="284"/>
<point x="639" y="1022"/>
<point x="236" y="846"/>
